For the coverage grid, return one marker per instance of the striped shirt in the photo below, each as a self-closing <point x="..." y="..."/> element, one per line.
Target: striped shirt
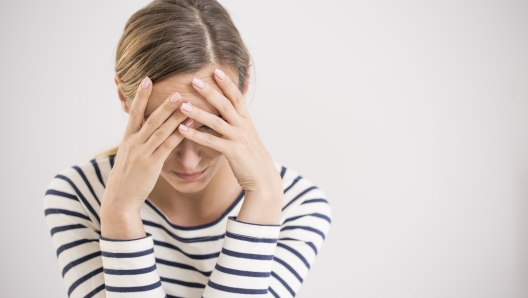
<point x="223" y="258"/>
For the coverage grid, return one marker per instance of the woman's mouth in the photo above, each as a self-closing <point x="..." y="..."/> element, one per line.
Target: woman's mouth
<point x="189" y="176"/>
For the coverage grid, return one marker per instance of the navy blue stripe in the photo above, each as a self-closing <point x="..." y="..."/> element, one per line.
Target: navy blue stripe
<point x="61" y="194"/>
<point x="308" y="243"/>
<point x="66" y="228"/>
<point x="251" y="239"/>
<point x="74" y="244"/>
<point x="273" y="292"/>
<point x="183" y="266"/>
<point x="124" y="255"/>
<point x="80" y="195"/>
<point x="283" y="170"/>
<point x="313" y="214"/>
<point x="242" y="272"/>
<point x="79" y="261"/>
<point x="170" y="296"/>
<point x="246" y="255"/>
<point x="98" y="172"/>
<point x="299" y="195"/>
<point x="312" y="246"/>
<point x="250" y="223"/>
<point x="290" y="268"/>
<point x="83" y="279"/>
<point x="111" y="160"/>
<point x="293" y="251"/>
<point x="181" y="239"/>
<point x="304" y="228"/>
<point x="65" y="212"/>
<point x="95" y="291"/>
<point x="130" y="271"/>
<point x="293" y="183"/>
<point x="315" y="201"/>
<point x="292" y="293"/>
<point x="87" y="183"/>
<point x="185" y="228"/>
<point x="124" y="240"/>
<point x="192" y="256"/>
<point x="236" y="290"/>
<point x="322" y="216"/>
<point x="134" y="289"/>
<point x="183" y="283"/>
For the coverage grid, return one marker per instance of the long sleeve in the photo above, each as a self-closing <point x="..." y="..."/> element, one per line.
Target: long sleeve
<point x="268" y="260"/>
<point x="244" y="265"/>
<point x="75" y="235"/>
<point x="130" y="268"/>
<point x="91" y="265"/>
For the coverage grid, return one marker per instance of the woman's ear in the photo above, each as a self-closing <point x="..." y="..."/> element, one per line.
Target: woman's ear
<point x="122" y="98"/>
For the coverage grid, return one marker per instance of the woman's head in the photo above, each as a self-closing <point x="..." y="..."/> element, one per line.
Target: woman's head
<point x="171" y="41"/>
<point x="169" y="37"/>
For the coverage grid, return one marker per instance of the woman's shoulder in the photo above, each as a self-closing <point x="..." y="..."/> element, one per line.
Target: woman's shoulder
<point x="82" y="183"/>
<point x="300" y="193"/>
<point x="90" y="173"/>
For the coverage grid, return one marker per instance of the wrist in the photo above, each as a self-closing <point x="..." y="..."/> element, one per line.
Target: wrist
<point x="120" y="223"/>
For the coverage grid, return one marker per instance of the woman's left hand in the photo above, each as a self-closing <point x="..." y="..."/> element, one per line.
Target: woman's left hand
<point x="240" y="143"/>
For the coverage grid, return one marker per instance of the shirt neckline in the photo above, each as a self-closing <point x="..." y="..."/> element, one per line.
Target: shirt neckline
<point x="198" y="227"/>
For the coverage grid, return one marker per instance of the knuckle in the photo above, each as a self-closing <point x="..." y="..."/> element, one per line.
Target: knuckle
<point x="170" y="143"/>
<point x="159" y="133"/>
<point x="209" y="139"/>
<point x="168" y="106"/>
<point x="133" y="111"/>
<point x="130" y="146"/>
<point x="239" y="98"/>
<point x="207" y="90"/>
<point x="225" y="105"/>
<point x="151" y="122"/>
<point x="217" y="123"/>
<point x="197" y="112"/>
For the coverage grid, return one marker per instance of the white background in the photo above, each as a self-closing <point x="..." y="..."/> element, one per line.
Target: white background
<point x="412" y="116"/>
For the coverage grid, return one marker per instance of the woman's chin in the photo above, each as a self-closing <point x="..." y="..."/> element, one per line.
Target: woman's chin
<point x="185" y="185"/>
<point x="189" y="187"/>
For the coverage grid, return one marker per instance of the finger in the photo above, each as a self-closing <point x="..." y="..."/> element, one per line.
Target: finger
<point x="232" y="92"/>
<point x="161" y="134"/>
<point x="158" y="117"/>
<point x="212" y="121"/>
<point x="163" y="151"/>
<point x="137" y="109"/>
<point x="217" y="100"/>
<point x="203" y="138"/>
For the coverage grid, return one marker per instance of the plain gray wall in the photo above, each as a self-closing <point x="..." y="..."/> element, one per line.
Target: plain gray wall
<point x="412" y="116"/>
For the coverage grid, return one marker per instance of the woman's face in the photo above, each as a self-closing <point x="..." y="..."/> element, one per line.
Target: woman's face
<point x="190" y="166"/>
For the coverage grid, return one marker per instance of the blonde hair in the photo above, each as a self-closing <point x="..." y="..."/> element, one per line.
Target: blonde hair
<point x="169" y="37"/>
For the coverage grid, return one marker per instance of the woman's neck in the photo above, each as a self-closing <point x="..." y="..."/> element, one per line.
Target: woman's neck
<point x="191" y="209"/>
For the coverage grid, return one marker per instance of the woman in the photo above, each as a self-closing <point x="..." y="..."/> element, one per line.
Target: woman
<point x="190" y="204"/>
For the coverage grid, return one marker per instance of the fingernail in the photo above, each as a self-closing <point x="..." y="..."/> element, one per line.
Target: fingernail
<point x="220" y="74"/>
<point x="188" y="122"/>
<point x="175" y="97"/>
<point x="186" y="107"/>
<point x="198" y="83"/>
<point x="145" y="83"/>
<point x="183" y="127"/>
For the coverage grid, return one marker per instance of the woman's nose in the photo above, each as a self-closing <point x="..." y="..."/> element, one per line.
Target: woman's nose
<point x="188" y="154"/>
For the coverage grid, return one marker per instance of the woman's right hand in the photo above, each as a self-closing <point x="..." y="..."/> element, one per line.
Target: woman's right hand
<point x="139" y="161"/>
